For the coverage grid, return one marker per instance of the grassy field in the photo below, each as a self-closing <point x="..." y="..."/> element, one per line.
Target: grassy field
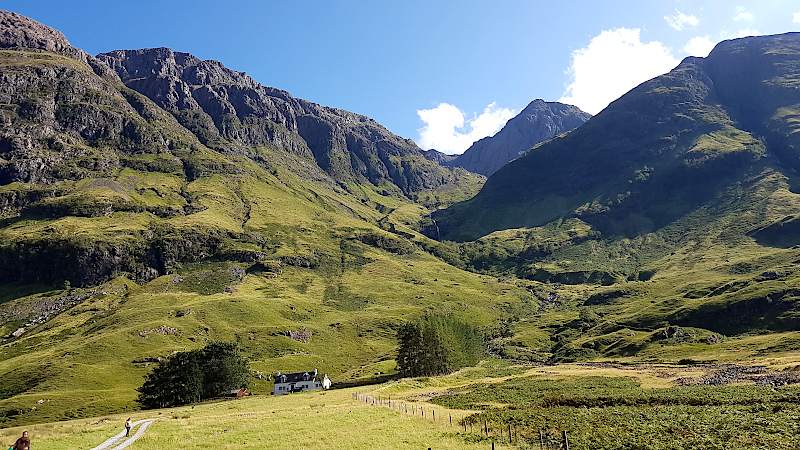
<point x="598" y="406"/>
<point x="332" y="419"/>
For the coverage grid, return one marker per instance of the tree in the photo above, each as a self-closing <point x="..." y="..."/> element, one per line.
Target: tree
<point x="437" y="345"/>
<point x="224" y="369"/>
<point x="195" y="375"/>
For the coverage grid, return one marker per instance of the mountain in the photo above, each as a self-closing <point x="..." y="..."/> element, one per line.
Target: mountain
<point x="439" y="157"/>
<point x="660" y="151"/>
<point x="229" y="111"/>
<point x="220" y="210"/>
<point x="151" y="203"/>
<point x="538" y="122"/>
<point x="681" y="197"/>
<point x="76" y="141"/>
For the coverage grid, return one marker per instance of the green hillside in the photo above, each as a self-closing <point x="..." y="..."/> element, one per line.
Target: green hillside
<point x="124" y="237"/>
<point x="681" y="198"/>
<point x="134" y="225"/>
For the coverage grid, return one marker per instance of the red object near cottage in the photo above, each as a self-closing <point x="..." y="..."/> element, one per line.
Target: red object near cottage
<point x="239" y="393"/>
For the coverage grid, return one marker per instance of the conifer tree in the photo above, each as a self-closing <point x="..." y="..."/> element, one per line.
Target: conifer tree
<point x="435" y="345"/>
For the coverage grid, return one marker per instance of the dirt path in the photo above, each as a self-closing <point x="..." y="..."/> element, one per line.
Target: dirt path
<point x="120" y="441"/>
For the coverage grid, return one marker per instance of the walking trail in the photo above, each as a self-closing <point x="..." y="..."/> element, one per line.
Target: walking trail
<point x="120" y="441"/>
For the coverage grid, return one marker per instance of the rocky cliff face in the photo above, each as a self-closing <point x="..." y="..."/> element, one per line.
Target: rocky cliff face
<point x="224" y="108"/>
<point x="439" y="157"/>
<point x="158" y="136"/>
<point x="538" y="122"/>
<point x="60" y="118"/>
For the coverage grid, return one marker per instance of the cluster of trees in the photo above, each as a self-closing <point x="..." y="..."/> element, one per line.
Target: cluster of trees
<point x="196" y="375"/>
<point x="435" y="345"/>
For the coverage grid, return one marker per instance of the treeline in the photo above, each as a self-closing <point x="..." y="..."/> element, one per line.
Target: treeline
<point x="435" y="345"/>
<point x="196" y="375"/>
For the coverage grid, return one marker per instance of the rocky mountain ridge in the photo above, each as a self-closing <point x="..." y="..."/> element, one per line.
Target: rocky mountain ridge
<point x="224" y="107"/>
<point x="78" y="145"/>
<point x="538" y="122"/>
<point x="18" y="31"/>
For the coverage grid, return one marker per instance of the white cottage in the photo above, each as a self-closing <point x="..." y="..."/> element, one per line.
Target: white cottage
<point x="286" y="383"/>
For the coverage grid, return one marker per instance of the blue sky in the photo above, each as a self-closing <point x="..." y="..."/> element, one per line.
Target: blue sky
<point x="444" y="73"/>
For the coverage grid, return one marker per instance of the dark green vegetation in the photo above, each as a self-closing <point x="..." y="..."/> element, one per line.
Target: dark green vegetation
<point x="151" y="203"/>
<point x="601" y="412"/>
<point x="436" y="345"/>
<point x="196" y="375"/>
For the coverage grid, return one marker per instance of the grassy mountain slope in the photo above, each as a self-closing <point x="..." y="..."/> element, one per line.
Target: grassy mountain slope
<point x="125" y="237"/>
<point x="681" y="197"/>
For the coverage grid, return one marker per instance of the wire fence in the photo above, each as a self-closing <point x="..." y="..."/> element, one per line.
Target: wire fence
<point x="470" y="425"/>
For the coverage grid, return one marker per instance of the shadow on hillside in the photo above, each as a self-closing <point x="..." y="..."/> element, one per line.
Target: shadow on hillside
<point x="12" y="291"/>
<point x="784" y="233"/>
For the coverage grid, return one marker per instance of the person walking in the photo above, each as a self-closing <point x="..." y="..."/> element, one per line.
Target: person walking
<point x="23" y="443"/>
<point x="128" y="427"/>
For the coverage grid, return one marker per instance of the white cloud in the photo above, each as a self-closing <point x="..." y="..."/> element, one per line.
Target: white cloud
<point x="447" y="129"/>
<point x="745" y="33"/>
<point x="699" y="46"/>
<point x="614" y="62"/>
<point x="680" y="20"/>
<point x="742" y="14"/>
<point x="796" y="17"/>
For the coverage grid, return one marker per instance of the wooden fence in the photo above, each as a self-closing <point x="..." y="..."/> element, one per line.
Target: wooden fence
<point x="493" y="432"/>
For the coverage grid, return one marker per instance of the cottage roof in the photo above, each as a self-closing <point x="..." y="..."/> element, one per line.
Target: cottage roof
<point x="295" y="377"/>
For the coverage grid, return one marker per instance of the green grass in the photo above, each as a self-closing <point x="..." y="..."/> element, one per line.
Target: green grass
<point x="331" y="419"/>
<point x="609" y="411"/>
<point x="598" y="407"/>
<point x="97" y="342"/>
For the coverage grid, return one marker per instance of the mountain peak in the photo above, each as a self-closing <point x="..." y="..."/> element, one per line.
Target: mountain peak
<point x="21" y="31"/>
<point x="18" y="31"/>
<point x="658" y="152"/>
<point x="538" y="122"/>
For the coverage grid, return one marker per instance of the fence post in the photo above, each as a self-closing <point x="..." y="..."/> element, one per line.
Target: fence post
<point x="541" y="440"/>
<point x="509" y="434"/>
<point x="486" y="427"/>
<point x="566" y="442"/>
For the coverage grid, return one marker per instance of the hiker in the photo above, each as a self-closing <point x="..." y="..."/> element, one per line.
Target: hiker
<point x="23" y="443"/>
<point x="128" y="427"/>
